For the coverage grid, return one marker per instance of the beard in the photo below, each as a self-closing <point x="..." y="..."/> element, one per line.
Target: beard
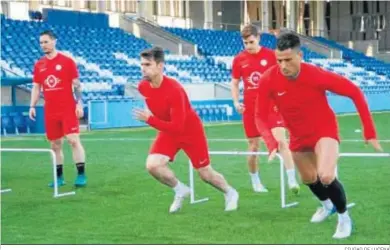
<point x="46" y="52"/>
<point x="147" y="78"/>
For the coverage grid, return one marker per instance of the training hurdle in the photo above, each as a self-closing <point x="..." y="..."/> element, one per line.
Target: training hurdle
<point x="283" y="204"/>
<point x="56" y="193"/>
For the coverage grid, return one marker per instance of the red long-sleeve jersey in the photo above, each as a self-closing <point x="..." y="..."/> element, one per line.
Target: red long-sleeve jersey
<point x="304" y="105"/>
<point x="170" y="106"/>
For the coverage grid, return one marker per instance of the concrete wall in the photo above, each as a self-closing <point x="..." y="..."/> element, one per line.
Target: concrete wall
<point x="197" y="14"/>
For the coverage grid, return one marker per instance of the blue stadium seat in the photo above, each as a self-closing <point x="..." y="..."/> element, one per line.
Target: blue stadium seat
<point x="19" y="122"/>
<point x="224" y="116"/>
<point x="7" y="124"/>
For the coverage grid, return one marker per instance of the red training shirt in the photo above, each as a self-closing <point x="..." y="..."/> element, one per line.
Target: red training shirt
<point x="303" y="102"/>
<point x="55" y="76"/>
<point x="250" y="67"/>
<point x="170" y="106"/>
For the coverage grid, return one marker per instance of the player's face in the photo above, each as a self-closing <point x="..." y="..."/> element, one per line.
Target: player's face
<point x="150" y="69"/>
<point x="251" y="43"/>
<point x="47" y="44"/>
<point x="289" y="61"/>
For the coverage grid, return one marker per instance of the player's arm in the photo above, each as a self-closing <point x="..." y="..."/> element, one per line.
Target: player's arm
<point x="178" y="114"/>
<point x="35" y="93"/>
<point x="77" y="90"/>
<point x="235" y="85"/>
<point x="263" y="102"/>
<point x="340" y="85"/>
<point x="74" y="75"/>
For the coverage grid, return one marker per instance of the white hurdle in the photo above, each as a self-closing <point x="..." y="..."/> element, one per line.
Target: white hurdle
<point x="282" y="179"/>
<point x="53" y="157"/>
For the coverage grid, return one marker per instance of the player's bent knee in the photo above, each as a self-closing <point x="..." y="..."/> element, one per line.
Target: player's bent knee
<point x="253" y="143"/>
<point x="327" y="178"/>
<point x="73" y="143"/>
<point x="253" y="146"/>
<point x="309" y="180"/>
<point x="56" y="145"/>
<point x="309" y="177"/>
<point x="73" y="140"/>
<point x="155" y="161"/>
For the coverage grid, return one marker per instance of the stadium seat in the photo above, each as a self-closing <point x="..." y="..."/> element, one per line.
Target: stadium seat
<point x="19" y="122"/>
<point x="223" y="111"/>
<point x="7" y="125"/>
<point x="109" y="58"/>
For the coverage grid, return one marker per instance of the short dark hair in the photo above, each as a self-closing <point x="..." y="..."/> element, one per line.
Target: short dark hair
<point x="155" y="53"/>
<point x="48" y="33"/>
<point x="249" y="30"/>
<point x="288" y="41"/>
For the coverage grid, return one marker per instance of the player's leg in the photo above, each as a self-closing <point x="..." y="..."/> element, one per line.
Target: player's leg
<point x="253" y="136"/>
<point x="197" y="150"/>
<point x="327" y="152"/>
<point x="78" y="154"/>
<point x="218" y="181"/>
<point x="306" y="165"/>
<point x="54" y="135"/>
<point x="280" y="134"/>
<point x="71" y="130"/>
<point x="162" y="151"/>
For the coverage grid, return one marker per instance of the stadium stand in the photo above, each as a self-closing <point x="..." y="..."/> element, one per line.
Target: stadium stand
<point x="109" y="59"/>
<point x="358" y="59"/>
<point x="221" y="46"/>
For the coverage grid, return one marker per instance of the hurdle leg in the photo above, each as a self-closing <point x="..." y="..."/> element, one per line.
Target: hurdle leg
<point x="192" y="186"/>
<point x="55" y="179"/>
<point x="283" y="187"/>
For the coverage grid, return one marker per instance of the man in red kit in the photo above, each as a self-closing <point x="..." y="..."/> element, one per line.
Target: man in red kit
<point x="299" y="91"/>
<point x="249" y="65"/>
<point x="56" y="74"/>
<point x="179" y="128"/>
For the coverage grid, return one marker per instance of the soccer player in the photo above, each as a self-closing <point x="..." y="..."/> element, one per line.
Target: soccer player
<point x="299" y="91"/>
<point x="179" y="128"/>
<point x="249" y="65"/>
<point x="56" y="74"/>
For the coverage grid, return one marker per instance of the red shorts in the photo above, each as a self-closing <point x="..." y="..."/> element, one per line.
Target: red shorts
<point x="250" y="128"/>
<point x="59" y="125"/>
<point x="307" y="144"/>
<point x="195" y="146"/>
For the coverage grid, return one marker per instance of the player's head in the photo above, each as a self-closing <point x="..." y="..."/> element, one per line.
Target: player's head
<point x="251" y="37"/>
<point x="288" y="54"/>
<point x="152" y="62"/>
<point x="48" y="41"/>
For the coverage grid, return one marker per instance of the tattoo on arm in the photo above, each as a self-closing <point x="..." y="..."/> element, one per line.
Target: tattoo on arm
<point x="77" y="90"/>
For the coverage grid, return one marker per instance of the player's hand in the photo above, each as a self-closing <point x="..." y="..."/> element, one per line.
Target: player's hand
<point x="31" y="113"/>
<point x="79" y="110"/>
<point x="239" y="107"/>
<point x="141" y="114"/>
<point x="272" y="155"/>
<point x="375" y="144"/>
